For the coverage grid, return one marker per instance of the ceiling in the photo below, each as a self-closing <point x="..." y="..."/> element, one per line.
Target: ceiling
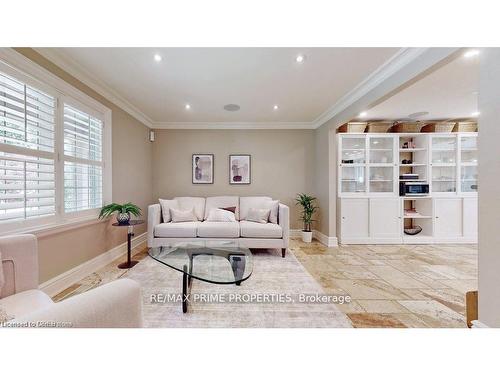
<point x="256" y="79"/>
<point x="449" y="92"/>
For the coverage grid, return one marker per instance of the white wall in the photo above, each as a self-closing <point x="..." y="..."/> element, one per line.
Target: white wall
<point x="489" y="188"/>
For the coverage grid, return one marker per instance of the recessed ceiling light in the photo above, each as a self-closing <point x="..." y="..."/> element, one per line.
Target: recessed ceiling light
<point x="232" y="107"/>
<point x="418" y="114"/>
<point x="471" y="53"/>
<point x="362" y="114"/>
<point x="275" y="107"/>
<point x="187" y="106"/>
<point x="300" y="59"/>
<point x="157" y="58"/>
<point x="475" y="114"/>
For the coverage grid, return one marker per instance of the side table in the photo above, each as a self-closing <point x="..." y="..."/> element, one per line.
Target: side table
<point x="130" y="233"/>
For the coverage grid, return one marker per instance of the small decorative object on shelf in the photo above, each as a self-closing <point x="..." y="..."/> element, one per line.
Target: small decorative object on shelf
<point x="308" y="209"/>
<point x="413" y="230"/>
<point x="123" y="212"/>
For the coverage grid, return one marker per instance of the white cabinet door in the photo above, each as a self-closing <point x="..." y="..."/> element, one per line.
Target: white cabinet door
<point x="354" y="218"/>
<point x="385" y="218"/>
<point x="448" y="218"/>
<point x="470" y="217"/>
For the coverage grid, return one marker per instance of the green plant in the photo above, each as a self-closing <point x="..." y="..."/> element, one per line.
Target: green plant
<point x="126" y="208"/>
<point x="308" y="209"/>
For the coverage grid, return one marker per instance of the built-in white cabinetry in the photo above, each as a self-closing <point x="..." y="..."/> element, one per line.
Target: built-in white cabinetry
<point x="470" y="219"/>
<point x="385" y="218"/>
<point x="370" y="169"/>
<point x="354" y="218"/>
<point x="448" y="218"/>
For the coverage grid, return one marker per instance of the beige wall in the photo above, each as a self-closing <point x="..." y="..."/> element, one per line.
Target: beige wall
<point x="132" y="181"/>
<point x="489" y="191"/>
<point x="282" y="163"/>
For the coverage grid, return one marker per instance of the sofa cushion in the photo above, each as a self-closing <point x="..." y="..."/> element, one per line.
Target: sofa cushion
<point x="198" y="203"/>
<point x="166" y="205"/>
<point x="186" y="229"/>
<point x="258" y="215"/>
<point x="219" y="229"/>
<point x="249" y="229"/>
<point x="222" y="202"/>
<point x="252" y="202"/>
<point x="19" y="304"/>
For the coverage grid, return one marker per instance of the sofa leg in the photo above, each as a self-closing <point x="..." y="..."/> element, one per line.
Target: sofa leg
<point x="283" y="252"/>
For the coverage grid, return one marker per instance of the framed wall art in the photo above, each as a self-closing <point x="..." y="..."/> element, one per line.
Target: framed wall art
<point x="240" y="169"/>
<point x="203" y="168"/>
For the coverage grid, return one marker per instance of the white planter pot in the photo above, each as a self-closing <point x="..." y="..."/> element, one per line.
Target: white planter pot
<point x="307" y="236"/>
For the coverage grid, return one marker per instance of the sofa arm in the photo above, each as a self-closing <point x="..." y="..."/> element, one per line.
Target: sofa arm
<point x="284" y="222"/>
<point x="117" y="304"/>
<point x="154" y="218"/>
<point x="19" y="263"/>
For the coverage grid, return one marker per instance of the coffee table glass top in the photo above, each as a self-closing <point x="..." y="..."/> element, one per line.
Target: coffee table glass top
<point x="218" y="262"/>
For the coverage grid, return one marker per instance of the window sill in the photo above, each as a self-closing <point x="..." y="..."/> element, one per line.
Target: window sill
<point x="54" y="228"/>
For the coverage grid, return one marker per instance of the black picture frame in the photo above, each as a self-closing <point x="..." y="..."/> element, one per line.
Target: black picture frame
<point x="231" y="180"/>
<point x="193" y="169"/>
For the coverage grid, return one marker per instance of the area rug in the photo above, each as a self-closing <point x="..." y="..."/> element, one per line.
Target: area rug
<point x="274" y="296"/>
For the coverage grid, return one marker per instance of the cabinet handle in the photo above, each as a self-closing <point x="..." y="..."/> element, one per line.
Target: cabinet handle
<point x="437" y="217"/>
<point x="343" y="217"/>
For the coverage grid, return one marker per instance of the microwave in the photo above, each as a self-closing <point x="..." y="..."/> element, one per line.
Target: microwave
<point x="413" y="188"/>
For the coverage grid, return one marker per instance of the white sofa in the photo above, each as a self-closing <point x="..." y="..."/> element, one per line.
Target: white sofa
<point x="246" y="233"/>
<point x="22" y="304"/>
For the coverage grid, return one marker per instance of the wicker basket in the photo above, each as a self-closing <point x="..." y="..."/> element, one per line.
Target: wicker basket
<point x="407" y="127"/>
<point x="466" y="126"/>
<point x="438" y="127"/>
<point x="352" y="127"/>
<point x="378" y="127"/>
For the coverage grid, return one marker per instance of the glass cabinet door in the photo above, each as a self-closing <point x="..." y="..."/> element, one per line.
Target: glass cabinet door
<point x="444" y="164"/>
<point x="468" y="164"/>
<point x="353" y="164"/>
<point x="381" y="164"/>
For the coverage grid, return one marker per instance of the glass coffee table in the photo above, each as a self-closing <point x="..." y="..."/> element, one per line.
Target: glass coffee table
<point x="216" y="262"/>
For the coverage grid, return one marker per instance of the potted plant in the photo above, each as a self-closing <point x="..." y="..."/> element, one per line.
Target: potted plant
<point x="123" y="212"/>
<point x="308" y="209"/>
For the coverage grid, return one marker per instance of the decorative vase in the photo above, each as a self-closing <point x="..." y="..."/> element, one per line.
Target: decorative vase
<point x="307" y="236"/>
<point x="123" y="218"/>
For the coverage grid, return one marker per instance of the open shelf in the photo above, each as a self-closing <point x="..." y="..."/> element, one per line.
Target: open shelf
<point x="412" y="165"/>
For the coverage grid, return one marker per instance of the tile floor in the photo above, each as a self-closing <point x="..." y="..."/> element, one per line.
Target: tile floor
<point x="395" y="285"/>
<point x="390" y="285"/>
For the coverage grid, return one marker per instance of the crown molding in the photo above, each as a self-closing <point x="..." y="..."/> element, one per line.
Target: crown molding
<point x="233" y="125"/>
<point x="399" y="60"/>
<point x="76" y="70"/>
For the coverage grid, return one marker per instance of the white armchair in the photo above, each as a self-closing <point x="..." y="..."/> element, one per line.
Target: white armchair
<point x="117" y="304"/>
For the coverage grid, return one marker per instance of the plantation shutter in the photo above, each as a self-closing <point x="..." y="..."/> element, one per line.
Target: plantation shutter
<point x="82" y="160"/>
<point x="27" y="131"/>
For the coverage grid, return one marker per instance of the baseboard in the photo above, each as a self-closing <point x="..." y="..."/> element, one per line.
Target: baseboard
<point x="478" y="324"/>
<point x="323" y="238"/>
<point x="72" y="276"/>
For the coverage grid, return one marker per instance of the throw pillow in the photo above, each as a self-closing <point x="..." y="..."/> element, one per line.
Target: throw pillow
<point x="221" y="215"/>
<point x="179" y="216"/>
<point x="258" y="215"/>
<point x="166" y="205"/>
<point x="230" y="209"/>
<point x="273" y="206"/>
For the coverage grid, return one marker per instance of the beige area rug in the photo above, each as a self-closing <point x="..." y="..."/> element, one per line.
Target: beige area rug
<point x="272" y="276"/>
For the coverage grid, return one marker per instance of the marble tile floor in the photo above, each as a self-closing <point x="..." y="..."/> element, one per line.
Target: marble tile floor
<point x="398" y="286"/>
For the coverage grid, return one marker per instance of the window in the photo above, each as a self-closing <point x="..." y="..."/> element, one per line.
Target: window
<point x="52" y="154"/>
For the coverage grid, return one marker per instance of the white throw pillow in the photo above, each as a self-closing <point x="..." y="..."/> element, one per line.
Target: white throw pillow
<point x="166" y="205"/>
<point x="219" y="214"/>
<point x="179" y="216"/>
<point x="258" y="215"/>
<point x="2" y="278"/>
<point x="273" y="206"/>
